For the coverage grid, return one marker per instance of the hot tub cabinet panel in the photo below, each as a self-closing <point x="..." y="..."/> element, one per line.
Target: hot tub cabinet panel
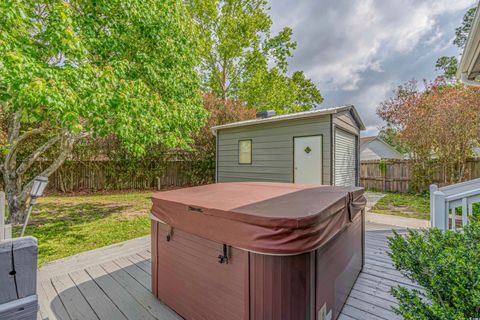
<point x="192" y="282"/>
<point x="338" y="264"/>
<point x="187" y="274"/>
<point x="282" y="287"/>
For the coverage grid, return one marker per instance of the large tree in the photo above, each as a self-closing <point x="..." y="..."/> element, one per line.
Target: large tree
<point x="449" y="65"/>
<point x="242" y="60"/>
<point x="71" y="69"/>
<point x="439" y="125"/>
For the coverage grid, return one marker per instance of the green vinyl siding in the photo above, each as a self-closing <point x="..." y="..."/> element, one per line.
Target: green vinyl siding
<point x="346" y="121"/>
<point x="272" y="149"/>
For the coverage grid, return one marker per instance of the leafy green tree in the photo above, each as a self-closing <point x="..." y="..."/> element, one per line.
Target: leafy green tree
<point x="391" y="136"/>
<point x="461" y="33"/>
<point x="242" y="60"/>
<point x="449" y="65"/>
<point x="76" y="69"/>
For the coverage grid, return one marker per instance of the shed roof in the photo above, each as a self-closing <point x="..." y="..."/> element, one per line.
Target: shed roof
<point x="297" y="115"/>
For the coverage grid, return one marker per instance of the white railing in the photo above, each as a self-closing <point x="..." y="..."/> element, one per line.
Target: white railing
<point x="445" y="201"/>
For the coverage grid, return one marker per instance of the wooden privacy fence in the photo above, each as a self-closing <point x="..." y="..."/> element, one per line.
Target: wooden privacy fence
<point x="395" y="175"/>
<point x="75" y="176"/>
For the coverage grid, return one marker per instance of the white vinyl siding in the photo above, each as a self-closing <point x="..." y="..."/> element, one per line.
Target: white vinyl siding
<point x="345" y="158"/>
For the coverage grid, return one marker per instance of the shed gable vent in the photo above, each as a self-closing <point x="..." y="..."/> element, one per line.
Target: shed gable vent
<point x="265" y="114"/>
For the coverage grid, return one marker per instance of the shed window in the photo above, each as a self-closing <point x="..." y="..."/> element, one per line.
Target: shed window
<point x="245" y="152"/>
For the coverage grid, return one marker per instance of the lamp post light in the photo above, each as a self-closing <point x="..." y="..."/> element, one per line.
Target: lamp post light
<point x="39" y="185"/>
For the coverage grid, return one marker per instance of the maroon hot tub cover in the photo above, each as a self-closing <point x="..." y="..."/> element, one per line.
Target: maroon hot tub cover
<point x="293" y="251"/>
<point x="271" y="218"/>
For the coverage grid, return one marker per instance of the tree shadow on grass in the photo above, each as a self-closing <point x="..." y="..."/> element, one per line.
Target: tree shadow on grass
<point x="75" y="213"/>
<point x="57" y="221"/>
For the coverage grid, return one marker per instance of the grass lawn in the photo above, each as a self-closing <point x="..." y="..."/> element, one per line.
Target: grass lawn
<point x="405" y="205"/>
<point x="66" y="225"/>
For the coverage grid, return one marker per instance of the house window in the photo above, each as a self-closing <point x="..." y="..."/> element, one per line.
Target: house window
<point x="245" y="152"/>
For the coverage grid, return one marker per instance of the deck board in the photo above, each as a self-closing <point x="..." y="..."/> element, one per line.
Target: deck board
<point x="114" y="283"/>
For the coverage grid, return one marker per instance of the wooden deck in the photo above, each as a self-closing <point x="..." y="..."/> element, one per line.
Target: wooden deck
<point x="114" y="283"/>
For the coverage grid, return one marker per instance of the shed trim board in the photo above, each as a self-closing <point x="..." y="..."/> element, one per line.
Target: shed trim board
<point x="331" y="145"/>
<point x="217" y="149"/>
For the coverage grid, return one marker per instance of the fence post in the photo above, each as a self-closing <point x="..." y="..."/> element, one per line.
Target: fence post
<point x="438" y="211"/>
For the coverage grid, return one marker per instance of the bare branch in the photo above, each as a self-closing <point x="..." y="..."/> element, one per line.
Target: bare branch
<point x="27" y="163"/>
<point x="67" y="147"/>
<point x="16" y="143"/>
<point x="80" y="136"/>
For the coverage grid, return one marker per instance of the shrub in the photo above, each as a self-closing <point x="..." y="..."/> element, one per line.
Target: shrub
<point x="447" y="265"/>
<point x="203" y="153"/>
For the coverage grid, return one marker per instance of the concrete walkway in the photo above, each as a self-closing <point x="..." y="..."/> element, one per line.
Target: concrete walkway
<point x="385" y="219"/>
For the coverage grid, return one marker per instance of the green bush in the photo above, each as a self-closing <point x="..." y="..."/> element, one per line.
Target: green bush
<point x="446" y="265"/>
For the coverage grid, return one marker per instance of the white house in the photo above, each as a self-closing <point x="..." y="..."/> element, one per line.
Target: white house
<point x="374" y="148"/>
<point x="469" y="67"/>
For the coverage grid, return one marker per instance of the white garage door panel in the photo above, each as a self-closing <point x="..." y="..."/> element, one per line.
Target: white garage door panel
<point x="345" y="158"/>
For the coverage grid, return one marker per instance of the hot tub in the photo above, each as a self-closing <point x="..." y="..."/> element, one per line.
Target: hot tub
<point x="257" y="250"/>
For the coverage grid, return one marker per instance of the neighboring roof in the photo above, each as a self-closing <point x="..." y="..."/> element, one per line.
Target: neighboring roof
<point x="469" y="67"/>
<point x="297" y="115"/>
<point x="366" y="140"/>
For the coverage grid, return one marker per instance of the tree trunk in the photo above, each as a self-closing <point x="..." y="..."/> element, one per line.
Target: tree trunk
<point x="17" y="206"/>
<point x="17" y="193"/>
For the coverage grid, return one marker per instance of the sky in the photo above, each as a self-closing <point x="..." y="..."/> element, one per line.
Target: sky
<point x="358" y="51"/>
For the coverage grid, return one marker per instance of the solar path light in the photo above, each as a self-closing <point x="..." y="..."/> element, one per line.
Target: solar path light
<point x="39" y="185"/>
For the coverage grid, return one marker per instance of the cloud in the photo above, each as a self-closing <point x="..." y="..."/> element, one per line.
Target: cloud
<point x="358" y="51"/>
<point x="346" y="38"/>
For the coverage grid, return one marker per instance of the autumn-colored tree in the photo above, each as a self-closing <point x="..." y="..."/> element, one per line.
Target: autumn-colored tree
<point x="221" y="112"/>
<point x="440" y="125"/>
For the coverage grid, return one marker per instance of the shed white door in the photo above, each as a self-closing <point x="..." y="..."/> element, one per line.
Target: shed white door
<point x="345" y="158"/>
<point x="307" y="163"/>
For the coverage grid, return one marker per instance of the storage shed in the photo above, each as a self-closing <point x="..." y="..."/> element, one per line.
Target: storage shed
<point x="318" y="146"/>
